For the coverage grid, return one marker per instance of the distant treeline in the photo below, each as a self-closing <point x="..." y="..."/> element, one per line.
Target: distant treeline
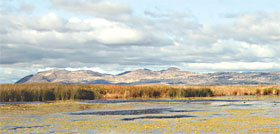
<point x="57" y="91"/>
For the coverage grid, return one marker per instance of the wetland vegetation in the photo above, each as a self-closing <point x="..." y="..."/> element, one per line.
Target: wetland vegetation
<point x="57" y="91"/>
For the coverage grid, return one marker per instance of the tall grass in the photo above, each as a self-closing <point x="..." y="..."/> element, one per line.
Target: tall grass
<point x="57" y="91"/>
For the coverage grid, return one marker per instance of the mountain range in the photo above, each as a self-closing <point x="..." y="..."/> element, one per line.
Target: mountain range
<point x="145" y="76"/>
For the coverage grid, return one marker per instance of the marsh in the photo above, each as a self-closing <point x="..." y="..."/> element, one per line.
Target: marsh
<point x="238" y="114"/>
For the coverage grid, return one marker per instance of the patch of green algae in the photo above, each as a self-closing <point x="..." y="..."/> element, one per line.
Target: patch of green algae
<point x="47" y="118"/>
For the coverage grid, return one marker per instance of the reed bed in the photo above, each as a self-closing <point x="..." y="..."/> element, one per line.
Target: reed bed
<point x="57" y="91"/>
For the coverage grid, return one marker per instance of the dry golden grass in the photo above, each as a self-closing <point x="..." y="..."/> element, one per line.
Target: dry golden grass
<point x="232" y="90"/>
<point x="239" y="90"/>
<point x="57" y="91"/>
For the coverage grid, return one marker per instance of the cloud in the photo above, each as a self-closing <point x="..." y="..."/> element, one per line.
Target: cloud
<point x="98" y="40"/>
<point x="234" y="66"/>
<point x="50" y="21"/>
<point x="118" y="35"/>
<point x="258" y="28"/>
<point x="52" y="29"/>
<point x="26" y="7"/>
<point x="98" y="8"/>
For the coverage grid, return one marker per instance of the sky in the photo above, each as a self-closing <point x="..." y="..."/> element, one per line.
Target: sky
<point x="112" y="36"/>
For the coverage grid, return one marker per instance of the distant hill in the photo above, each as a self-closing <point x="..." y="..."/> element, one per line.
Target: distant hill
<point x="143" y="76"/>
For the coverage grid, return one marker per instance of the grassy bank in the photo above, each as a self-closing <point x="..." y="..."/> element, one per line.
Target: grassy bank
<point x="56" y="91"/>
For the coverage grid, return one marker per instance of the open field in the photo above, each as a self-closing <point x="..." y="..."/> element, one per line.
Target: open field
<point x="242" y="114"/>
<point x="56" y="91"/>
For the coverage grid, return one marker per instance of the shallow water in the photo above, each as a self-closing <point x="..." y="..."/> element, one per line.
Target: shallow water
<point x="245" y="114"/>
<point x="158" y="117"/>
<point x="162" y="100"/>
